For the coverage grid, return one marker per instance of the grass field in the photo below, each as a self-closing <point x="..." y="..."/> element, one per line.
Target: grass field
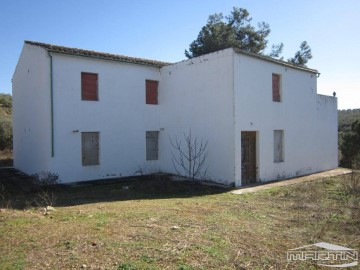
<point x="157" y="224"/>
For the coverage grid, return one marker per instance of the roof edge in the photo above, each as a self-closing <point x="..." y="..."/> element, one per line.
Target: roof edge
<point x="276" y="61"/>
<point x="95" y="54"/>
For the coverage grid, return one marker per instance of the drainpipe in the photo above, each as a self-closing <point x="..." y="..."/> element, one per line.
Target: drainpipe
<point x="51" y="105"/>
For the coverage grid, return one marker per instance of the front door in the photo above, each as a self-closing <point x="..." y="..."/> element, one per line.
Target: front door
<point x="248" y="157"/>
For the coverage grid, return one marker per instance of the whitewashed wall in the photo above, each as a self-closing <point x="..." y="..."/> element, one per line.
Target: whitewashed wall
<point x="197" y="94"/>
<point x="31" y="110"/>
<point x="121" y="116"/>
<point x="309" y="123"/>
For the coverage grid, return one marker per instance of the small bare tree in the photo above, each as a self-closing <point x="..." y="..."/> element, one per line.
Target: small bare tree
<point x="189" y="159"/>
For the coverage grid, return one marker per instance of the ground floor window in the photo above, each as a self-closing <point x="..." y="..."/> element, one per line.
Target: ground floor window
<point x="278" y="146"/>
<point x="90" y="148"/>
<point x="152" y="145"/>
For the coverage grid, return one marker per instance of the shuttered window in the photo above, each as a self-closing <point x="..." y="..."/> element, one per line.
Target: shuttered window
<point x="278" y="146"/>
<point x="151" y="92"/>
<point x="90" y="148"/>
<point x="152" y="145"/>
<point x="276" y="87"/>
<point x="89" y="86"/>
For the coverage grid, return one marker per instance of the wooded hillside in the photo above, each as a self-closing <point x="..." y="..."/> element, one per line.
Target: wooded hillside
<point x="5" y="121"/>
<point x="346" y="118"/>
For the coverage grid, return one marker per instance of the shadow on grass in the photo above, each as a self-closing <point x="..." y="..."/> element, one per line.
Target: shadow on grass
<point x="8" y="162"/>
<point x="22" y="193"/>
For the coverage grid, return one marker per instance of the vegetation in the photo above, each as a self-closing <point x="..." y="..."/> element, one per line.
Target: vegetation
<point x="190" y="155"/>
<point x="159" y="224"/>
<point x="349" y="137"/>
<point x="235" y="30"/>
<point x="5" y="122"/>
<point x="346" y="118"/>
<point x="46" y="178"/>
<point x="350" y="146"/>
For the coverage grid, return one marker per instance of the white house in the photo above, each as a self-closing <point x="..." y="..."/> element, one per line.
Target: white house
<point x="89" y="115"/>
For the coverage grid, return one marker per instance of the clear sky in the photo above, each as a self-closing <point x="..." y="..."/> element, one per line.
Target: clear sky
<point x="163" y="29"/>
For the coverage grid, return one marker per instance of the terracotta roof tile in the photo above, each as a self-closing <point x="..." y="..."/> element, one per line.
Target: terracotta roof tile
<point x="105" y="56"/>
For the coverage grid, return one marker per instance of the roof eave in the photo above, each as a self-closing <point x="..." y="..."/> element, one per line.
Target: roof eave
<point x="97" y="55"/>
<point x="276" y="61"/>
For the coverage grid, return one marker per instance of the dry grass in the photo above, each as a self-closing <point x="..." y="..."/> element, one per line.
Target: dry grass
<point x="179" y="227"/>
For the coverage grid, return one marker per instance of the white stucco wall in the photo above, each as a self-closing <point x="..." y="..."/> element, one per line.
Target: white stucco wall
<point x="306" y="137"/>
<point x="197" y="94"/>
<point x="31" y="111"/>
<point x="120" y="115"/>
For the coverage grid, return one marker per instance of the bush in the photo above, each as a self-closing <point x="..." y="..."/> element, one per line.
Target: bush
<point x="5" y="122"/>
<point x="350" y="146"/>
<point x="46" y="178"/>
<point x="6" y="138"/>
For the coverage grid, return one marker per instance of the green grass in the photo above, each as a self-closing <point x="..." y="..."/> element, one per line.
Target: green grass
<point x="195" y="227"/>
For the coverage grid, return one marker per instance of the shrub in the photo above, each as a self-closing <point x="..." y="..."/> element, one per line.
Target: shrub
<point x="5" y="133"/>
<point x="46" y="178"/>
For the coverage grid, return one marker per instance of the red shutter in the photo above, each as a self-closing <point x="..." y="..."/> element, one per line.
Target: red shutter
<point x="151" y="92"/>
<point x="89" y="86"/>
<point x="276" y="87"/>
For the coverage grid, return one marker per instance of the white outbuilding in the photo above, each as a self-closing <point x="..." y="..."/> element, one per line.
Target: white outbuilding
<point x="89" y="115"/>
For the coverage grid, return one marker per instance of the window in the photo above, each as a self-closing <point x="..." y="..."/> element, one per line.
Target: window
<point x="278" y="146"/>
<point x="276" y="87"/>
<point x="152" y="145"/>
<point x="89" y="86"/>
<point x="90" y="148"/>
<point x="152" y="92"/>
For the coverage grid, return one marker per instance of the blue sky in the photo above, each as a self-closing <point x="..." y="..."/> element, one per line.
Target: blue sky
<point x="163" y="29"/>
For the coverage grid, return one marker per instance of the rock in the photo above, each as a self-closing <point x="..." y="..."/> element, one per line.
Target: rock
<point x="50" y="208"/>
<point x="175" y="227"/>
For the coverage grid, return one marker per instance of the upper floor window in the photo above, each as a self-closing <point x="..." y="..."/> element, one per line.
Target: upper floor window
<point x="89" y="86"/>
<point x="276" y="88"/>
<point x="151" y="92"/>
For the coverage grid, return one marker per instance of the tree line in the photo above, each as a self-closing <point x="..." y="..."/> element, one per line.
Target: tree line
<point x="5" y="121"/>
<point x="349" y="138"/>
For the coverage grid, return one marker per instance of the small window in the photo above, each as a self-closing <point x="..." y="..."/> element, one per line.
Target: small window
<point x="152" y="145"/>
<point x="276" y="88"/>
<point x="278" y="146"/>
<point x="89" y="86"/>
<point x="90" y="148"/>
<point x="151" y="92"/>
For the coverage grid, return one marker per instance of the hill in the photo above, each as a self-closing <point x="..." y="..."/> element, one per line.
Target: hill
<point x="346" y="118"/>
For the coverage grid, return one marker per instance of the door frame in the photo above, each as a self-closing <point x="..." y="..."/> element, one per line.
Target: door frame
<point x="256" y="157"/>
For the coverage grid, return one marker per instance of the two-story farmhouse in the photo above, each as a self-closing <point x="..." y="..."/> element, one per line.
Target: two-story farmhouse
<point x="90" y="115"/>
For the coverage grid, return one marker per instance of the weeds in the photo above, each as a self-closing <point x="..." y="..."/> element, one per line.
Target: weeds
<point x="46" y="198"/>
<point x="46" y="178"/>
<point x="4" y="200"/>
<point x="351" y="189"/>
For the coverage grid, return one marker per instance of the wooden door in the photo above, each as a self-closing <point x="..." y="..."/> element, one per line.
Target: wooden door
<point x="248" y="157"/>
